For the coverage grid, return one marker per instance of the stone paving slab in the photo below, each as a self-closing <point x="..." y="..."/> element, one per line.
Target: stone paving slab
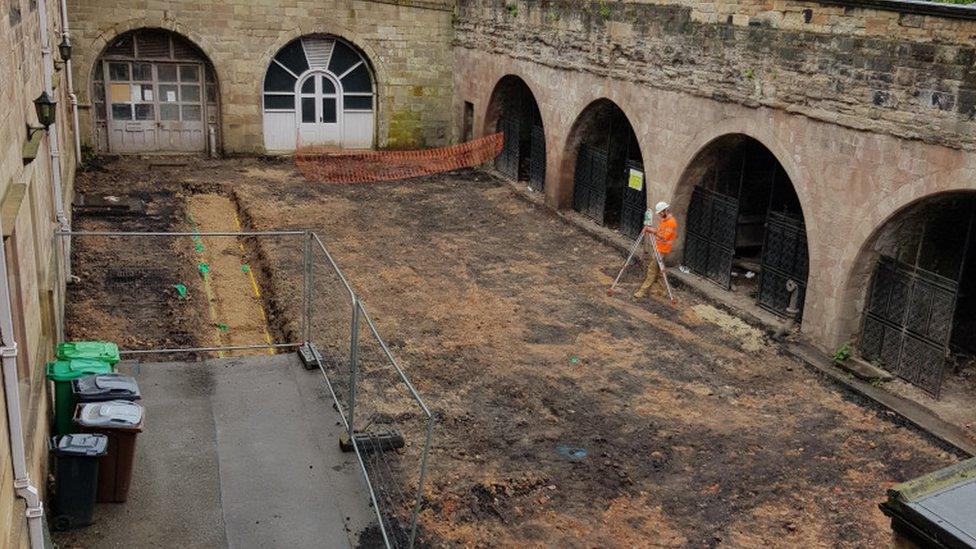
<point x="237" y="452"/>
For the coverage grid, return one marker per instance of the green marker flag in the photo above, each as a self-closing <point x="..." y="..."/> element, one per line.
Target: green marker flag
<point x="203" y="268"/>
<point x="180" y="289"/>
<point x="245" y="268"/>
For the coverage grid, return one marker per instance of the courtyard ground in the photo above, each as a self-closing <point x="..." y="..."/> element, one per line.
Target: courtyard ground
<point x="565" y="417"/>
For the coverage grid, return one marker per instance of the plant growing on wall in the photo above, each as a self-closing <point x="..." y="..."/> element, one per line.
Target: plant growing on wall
<point x="604" y="10"/>
<point x="842" y="353"/>
<point x="512" y="9"/>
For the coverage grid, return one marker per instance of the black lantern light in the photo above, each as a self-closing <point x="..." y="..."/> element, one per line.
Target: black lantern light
<point x="45" y="108"/>
<point x="64" y="48"/>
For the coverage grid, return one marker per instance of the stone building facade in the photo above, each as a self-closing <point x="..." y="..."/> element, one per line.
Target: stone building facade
<point x="864" y="110"/>
<point x="407" y="44"/>
<point x="28" y="221"/>
<point x="868" y="108"/>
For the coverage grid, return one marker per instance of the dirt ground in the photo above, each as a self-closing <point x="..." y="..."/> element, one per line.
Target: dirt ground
<point x="566" y="417"/>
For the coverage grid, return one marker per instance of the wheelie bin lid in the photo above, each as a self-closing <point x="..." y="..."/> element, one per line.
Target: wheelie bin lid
<point x="114" y="414"/>
<point x="80" y="444"/>
<point x="66" y="370"/>
<point x="98" y="350"/>
<point x="100" y="387"/>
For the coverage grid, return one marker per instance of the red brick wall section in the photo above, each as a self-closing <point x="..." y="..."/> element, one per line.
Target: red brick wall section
<point x="324" y="165"/>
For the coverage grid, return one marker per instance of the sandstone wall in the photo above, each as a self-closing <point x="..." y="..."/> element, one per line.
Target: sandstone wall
<point x="408" y="43"/>
<point x="680" y="72"/>
<point x="31" y="259"/>
<point x="903" y="74"/>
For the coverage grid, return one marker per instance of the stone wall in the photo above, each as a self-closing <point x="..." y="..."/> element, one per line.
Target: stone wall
<point x="680" y="72"/>
<point x="903" y="74"/>
<point x="31" y="257"/>
<point x="408" y="43"/>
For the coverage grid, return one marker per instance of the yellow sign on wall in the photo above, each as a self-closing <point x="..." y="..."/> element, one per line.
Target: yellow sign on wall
<point x="636" y="180"/>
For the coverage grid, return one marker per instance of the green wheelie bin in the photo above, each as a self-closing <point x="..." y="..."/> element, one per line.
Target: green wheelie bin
<point x="98" y="350"/>
<point x="62" y="372"/>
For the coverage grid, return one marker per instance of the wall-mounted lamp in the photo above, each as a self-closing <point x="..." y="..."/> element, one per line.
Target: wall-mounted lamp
<point x="46" y="109"/>
<point x="64" y="48"/>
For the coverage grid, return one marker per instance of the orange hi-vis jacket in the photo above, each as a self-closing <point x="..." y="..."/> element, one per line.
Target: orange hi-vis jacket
<point x="667" y="230"/>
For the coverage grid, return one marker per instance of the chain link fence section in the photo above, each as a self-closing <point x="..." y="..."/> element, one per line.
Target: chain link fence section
<point x="329" y="165"/>
<point x="330" y="303"/>
<point x="179" y="292"/>
<point x="391" y="430"/>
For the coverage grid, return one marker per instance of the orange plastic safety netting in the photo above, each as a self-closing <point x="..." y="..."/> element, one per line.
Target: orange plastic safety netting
<point x="336" y="166"/>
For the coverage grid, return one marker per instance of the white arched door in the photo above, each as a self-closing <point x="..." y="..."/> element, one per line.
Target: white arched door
<point x="319" y="115"/>
<point x="319" y="90"/>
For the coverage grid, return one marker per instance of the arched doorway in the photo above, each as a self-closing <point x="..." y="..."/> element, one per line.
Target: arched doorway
<point x="744" y="226"/>
<point x="919" y="312"/>
<point x="513" y="111"/>
<point x="608" y="178"/>
<point x="319" y="90"/>
<point x="154" y="91"/>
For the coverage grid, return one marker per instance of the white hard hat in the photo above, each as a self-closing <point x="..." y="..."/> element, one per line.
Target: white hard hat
<point x="661" y="206"/>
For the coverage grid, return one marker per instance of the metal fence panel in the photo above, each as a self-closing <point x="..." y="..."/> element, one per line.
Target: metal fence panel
<point x="330" y="322"/>
<point x="160" y="293"/>
<point x="163" y="290"/>
<point x="387" y="408"/>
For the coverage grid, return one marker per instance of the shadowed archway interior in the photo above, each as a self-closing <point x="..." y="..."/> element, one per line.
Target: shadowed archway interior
<point x="513" y="111"/>
<point x="745" y="228"/>
<point x="608" y="173"/>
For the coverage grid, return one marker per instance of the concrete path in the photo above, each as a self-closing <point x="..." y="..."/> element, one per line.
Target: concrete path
<point x="237" y="452"/>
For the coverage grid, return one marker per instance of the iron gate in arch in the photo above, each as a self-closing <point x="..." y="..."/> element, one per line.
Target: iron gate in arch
<point x="590" y="183"/>
<point x="633" y="203"/>
<point x="537" y="159"/>
<point x="908" y="323"/>
<point x="784" y="257"/>
<point x="508" y="161"/>
<point x="710" y="242"/>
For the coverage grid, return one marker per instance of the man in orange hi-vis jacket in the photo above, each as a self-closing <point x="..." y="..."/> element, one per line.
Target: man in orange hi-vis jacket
<point x="663" y="236"/>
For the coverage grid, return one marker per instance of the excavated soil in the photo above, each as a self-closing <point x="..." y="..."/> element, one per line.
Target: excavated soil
<point x="237" y="309"/>
<point x="566" y="417"/>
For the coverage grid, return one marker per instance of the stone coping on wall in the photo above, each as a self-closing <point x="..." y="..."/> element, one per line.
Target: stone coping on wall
<point x="918" y="7"/>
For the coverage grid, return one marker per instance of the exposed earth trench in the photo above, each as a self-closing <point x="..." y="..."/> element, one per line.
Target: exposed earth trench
<point x="565" y="417"/>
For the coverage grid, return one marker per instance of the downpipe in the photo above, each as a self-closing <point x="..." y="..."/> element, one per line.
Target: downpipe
<point x="11" y="385"/>
<point x="47" y="62"/>
<point x="69" y="80"/>
<point x="792" y="310"/>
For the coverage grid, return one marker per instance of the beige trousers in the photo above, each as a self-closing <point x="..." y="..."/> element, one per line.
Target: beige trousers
<point x="654" y="280"/>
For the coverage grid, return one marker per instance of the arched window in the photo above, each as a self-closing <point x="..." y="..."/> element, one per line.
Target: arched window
<point x="318" y="90"/>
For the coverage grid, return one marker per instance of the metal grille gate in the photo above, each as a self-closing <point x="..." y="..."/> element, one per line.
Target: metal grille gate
<point x="784" y="257"/>
<point x="634" y="204"/>
<point x="508" y="161"/>
<point x="537" y="159"/>
<point x="908" y="322"/>
<point x="710" y="243"/>
<point x="590" y="183"/>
